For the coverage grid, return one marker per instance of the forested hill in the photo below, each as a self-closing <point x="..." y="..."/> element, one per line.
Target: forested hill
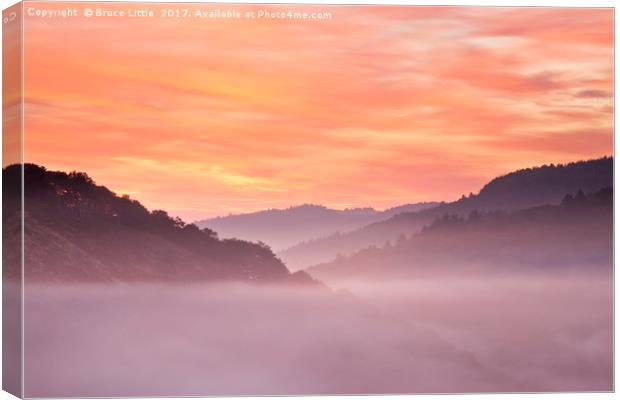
<point x="576" y="234"/>
<point x="521" y="189"/>
<point x="546" y="184"/>
<point x="76" y="230"/>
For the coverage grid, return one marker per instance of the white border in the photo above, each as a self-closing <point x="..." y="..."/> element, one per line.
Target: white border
<point x="557" y="3"/>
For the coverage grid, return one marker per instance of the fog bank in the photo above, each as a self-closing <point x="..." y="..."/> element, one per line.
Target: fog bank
<point x="224" y="339"/>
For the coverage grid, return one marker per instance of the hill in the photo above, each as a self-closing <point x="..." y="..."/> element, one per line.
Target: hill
<point x="578" y="233"/>
<point x="76" y="230"/>
<point x="521" y="189"/>
<point x="283" y="228"/>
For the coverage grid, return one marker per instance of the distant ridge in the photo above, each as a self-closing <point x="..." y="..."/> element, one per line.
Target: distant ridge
<point x="282" y="228"/>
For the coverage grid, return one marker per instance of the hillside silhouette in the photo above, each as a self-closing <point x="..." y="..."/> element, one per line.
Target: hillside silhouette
<point x="578" y="233"/>
<point x="76" y="230"/>
<point x="283" y="228"/>
<point x="521" y="189"/>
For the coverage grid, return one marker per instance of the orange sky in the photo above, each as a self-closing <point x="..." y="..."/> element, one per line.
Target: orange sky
<point x="374" y="107"/>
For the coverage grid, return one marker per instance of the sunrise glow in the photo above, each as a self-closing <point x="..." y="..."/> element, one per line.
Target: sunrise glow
<point x="374" y="106"/>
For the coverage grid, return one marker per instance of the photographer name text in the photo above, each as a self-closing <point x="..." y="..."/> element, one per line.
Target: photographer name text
<point x="178" y="13"/>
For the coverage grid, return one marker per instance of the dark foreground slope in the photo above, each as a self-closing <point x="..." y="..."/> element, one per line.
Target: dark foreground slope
<point x="517" y="190"/>
<point x="76" y="230"/>
<point x="577" y="234"/>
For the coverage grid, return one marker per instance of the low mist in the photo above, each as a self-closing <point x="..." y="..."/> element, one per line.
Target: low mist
<point x="503" y="334"/>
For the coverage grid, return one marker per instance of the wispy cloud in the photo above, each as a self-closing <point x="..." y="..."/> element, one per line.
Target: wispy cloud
<point x="373" y="106"/>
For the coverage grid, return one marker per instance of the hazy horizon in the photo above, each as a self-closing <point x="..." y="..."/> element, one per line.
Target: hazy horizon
<point x="335" y="207"/>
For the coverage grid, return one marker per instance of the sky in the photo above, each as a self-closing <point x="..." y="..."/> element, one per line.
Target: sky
<point x="374" y="106"/>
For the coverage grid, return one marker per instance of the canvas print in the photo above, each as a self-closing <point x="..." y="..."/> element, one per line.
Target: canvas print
<point x="205" y="199"/>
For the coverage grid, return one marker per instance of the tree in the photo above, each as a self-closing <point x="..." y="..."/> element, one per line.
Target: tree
<point x="567" y="199"/>
<point x="580" y="196"/>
